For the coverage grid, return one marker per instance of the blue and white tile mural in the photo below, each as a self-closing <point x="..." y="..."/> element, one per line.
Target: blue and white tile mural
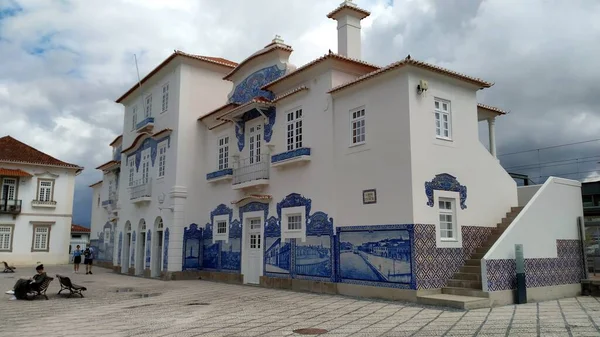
<point x="313" y="257"/>
<point x="277" y="256"/>
<point x="210" y="255"/>
<point x="376" y="254"/>
<point x="231" y="254"/>
<point x="192" y="247"/>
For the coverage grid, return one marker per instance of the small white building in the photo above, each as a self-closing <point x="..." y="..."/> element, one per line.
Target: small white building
<point x="79" y="236"/>
<point x="36" y="205"/>
<point x="369" y="179"/>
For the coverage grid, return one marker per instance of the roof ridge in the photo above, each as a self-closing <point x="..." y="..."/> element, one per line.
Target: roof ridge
<point x="15" y="151"/>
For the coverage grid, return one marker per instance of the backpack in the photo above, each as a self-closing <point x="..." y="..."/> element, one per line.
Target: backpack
<point x="87" y="253"/>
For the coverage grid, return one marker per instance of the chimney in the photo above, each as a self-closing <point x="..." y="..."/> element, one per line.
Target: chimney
<point x="348" y="15"/>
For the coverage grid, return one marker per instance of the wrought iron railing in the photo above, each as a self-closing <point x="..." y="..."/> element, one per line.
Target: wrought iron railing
<point x="142" y="188"/>
<point x="251" y="168"/>
<point x="10" y="206"/>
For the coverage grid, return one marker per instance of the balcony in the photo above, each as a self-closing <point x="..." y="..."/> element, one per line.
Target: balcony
<point x="10" y="207"/>
<point x="43" y="203"/>
<point x="111" y="203"/>
<point x="141" y="191"/>
<point x="145" y="125"/>
<point x="301" y="155"/>
<point x="251" y="172"/>
<point x="221" y="175"/>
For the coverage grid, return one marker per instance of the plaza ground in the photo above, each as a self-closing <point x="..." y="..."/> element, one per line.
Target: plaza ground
<point x="146" y="307"/>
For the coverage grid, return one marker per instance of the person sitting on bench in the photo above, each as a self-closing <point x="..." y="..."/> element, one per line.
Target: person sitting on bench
<point x="25" y="286"/>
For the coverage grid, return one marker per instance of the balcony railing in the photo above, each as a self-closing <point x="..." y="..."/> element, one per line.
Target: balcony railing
<point x="43" y="203"/>
<point x="250" y="169"/>
<point x="112" y="200"/>
<point x="147" y="123"/>
<point x="10" y="206"/>
<point x="141" y="190"/>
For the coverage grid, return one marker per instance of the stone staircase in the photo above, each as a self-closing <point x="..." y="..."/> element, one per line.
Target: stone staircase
<point x="464" y="289"/>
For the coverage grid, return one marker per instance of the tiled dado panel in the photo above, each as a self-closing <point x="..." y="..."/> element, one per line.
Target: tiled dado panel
<point x="433" y="266"/>
<point x="567" y="268"/>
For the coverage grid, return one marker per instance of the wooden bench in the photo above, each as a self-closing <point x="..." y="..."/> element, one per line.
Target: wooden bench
<point x="41" y="291"/>
<point x="66" y="284"/>
<point x="7" y="268"/>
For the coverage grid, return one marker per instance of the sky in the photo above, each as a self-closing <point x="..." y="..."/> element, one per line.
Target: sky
<point x="64" y="62"/>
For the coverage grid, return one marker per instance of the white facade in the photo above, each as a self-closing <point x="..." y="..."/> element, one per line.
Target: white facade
<point x="39" y="231"/>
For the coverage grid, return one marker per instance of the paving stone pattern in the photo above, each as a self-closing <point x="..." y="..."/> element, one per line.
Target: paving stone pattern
<point x="202" y="308"/>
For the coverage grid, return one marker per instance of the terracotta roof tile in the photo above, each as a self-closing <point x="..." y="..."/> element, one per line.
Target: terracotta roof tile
<point x="290" y="93"/>
<point x="492" y="108"/>
<point x="14" y="151"/>
<point x="13" y="173"/>
<point x="137" y="139"/>
<point x="96" y="183"/>
<point x="420" y="64"/>
<point x="316" y="61"/>
<point x="79" y="229"/>
<point x="108" y="164"/>
<point x="221" y="108"/>
<point x="267" y="49"/>
<point x="254" y="197"/>
<point x="119" y="137"/>
<point x="209" y="59"/>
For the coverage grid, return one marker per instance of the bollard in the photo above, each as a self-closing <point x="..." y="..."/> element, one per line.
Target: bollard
<point x="520" y="264"/>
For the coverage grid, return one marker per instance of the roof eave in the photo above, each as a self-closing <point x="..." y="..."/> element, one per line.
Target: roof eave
<point x="287" y="49"/>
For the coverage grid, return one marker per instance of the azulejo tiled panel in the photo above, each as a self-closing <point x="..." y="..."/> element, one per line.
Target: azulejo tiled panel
<point x="435" y="266"/>
<point x="378" y="255"/>
<point x="566" y="268"/>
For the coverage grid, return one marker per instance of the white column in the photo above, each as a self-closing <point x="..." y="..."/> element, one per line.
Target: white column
<point x="492" y="134"/>
<point x="178" y="196"/>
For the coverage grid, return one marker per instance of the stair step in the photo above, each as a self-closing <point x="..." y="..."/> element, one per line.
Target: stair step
<point x="516" y="209"/>
<point x="454" y="301"/>
<point x="465" y="292"/>
<point x="471" y="269"/>
<point x="477" y="256"/>
<point x="470" y="284"/>
<point x="473" y="262"/>
<point x="467" y="276"/>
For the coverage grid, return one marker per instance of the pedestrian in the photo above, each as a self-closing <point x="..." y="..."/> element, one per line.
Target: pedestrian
<point x="88" y="254"/>
<point x="24" y="286"/>
<point x="76" y="259"/>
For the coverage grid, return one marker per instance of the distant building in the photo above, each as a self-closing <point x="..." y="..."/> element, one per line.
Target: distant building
<point x="79" y="236"/>
<point x="36" y="205"/>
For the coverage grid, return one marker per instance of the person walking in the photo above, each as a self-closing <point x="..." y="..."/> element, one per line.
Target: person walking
<point x="88" y="254"/>
<point x="76" y="259"/>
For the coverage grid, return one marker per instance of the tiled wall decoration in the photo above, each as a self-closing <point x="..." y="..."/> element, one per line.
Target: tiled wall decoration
<point x="377" y="255"/>
<point x="120" y="249"/>
<point x="433" y="266"/>
<point x="148" y="248"/>
<point x="278" y="258"/>
<point x="567" y="268"/>
<point x="192" y="248"/>
<point x="132" y="247"/>
<point x="104" y="248"/>
<point x="166" y="251"/>
<point x="231" y="252"/>
<point x="445" y="182"/>
<point x="314" y="257"/>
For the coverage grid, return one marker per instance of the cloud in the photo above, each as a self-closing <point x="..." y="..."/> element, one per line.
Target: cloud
<point x="65" y="61"/>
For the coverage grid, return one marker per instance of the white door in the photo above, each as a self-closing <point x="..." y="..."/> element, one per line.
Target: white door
<point x="254" y="243"/>
<point x="255" y="143"/>
<point x="9" y="187"/>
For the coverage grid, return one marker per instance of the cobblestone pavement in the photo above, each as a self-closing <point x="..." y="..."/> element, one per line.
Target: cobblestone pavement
<point x="201" y="308"/>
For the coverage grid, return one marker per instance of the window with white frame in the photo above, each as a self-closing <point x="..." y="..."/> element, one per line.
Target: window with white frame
<point x="255" y="143"/>
<point x="223" y="152"/>
<point x="221" y="227"/>
<point x="9" y="188"/>
<point x="443" y="121"/>
<point x="130" y="164"/>
<point x="6" y="238"/>
<point x="145" y="166"/>
<point x="162" y="159"/>
<point x="294" y="222"/>
<point x="148" y="111"/>
<point x="447" y="219"/>
<point x="165" y="97"/>
<point x="45" y="190"/>
<point x="41" y="236"/>
<point x="294" y="129"/>
<point x="358" y="126"/>
<point x="134" y="116"/>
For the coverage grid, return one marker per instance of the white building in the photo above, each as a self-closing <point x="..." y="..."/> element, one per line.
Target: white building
<point x="264" y="173"/>
<point x="36" y="205"/>
<point x="79" y="236"/>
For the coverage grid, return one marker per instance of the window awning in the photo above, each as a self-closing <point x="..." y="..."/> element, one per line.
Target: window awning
<point x="14" y="173"/>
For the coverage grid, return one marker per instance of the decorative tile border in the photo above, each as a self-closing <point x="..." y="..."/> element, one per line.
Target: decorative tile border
<point x="445" y="182"/>
<point x="219" y="174"/>
<point x="192" y="237"/>
<point x="146" y="121"/>
<point x="305" y="151"/>
<point x="433" y="266"/>
<point x="166" y="251"/>
<point x="567" y="268"/>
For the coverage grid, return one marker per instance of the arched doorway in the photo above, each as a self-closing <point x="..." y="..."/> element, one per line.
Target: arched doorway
<point x="126" y="248"/>
<point x="157" y="248"/>
<point x="140" y="248"/>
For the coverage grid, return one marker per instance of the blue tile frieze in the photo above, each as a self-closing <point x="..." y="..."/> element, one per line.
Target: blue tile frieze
<point x="305" y="151"/>
<point x="192" y="248"/>
<point x="222" y="209"/>
<point x="272" y="228"/>
<point x="294" y="200"/>
<point x="235" y="229"/>
<point x="166" y="251"/>
<point x="250" y="87"/>
<point x="144" y="122"/>
<point x="132" y="250"/>
<point x="219" y="174"/>
<point x="445" y="182"/>
<point x="208" y="231"/>
<point x="120" y="248"/>
<point x="319" y="223"/>
<point x="253" y="207"/>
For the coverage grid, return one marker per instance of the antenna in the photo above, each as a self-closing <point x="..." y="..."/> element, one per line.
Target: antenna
<point x="140" y="86"/>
